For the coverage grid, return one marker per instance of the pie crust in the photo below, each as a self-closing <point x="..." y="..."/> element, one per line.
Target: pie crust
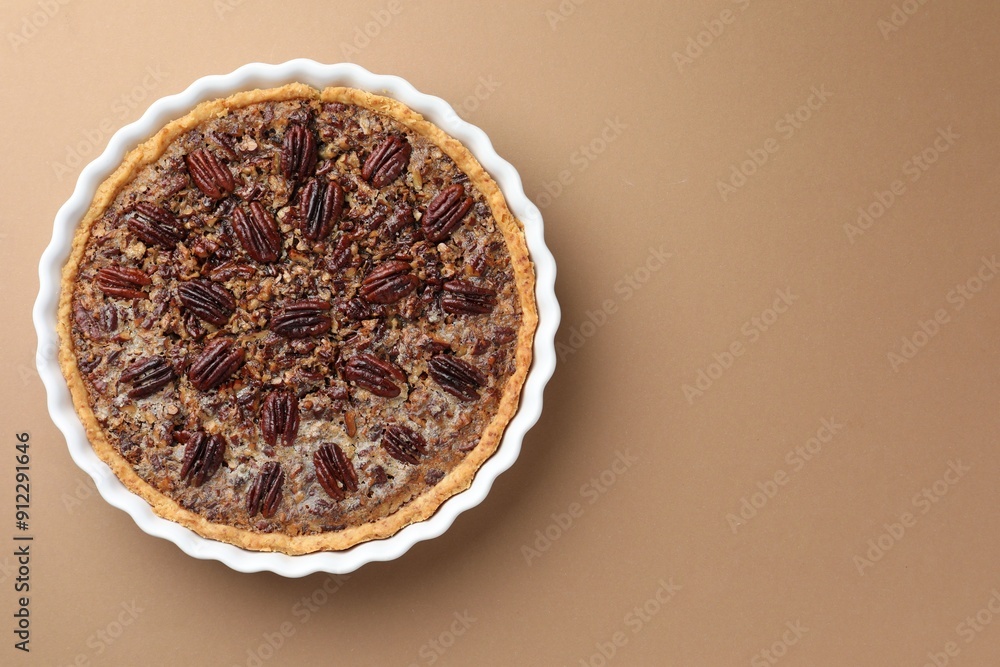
<point x="412" y="500"/>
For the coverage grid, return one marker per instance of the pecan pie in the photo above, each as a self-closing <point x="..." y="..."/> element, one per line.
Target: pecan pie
<point x="296" y="319"/>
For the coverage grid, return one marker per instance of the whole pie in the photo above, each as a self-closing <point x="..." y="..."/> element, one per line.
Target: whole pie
<point x="297" y="319"/>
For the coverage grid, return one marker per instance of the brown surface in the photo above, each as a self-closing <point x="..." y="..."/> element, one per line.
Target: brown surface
<point x="621" y="391"/>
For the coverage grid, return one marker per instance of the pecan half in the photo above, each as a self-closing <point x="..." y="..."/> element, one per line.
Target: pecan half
<point x="457" y="377"/>
<point x="210" y="174"/>
<point x="387" y="162"/>
<point x="192" y="326"/>
<point x="334" y="470"/>
<point x="358" y="309"/>
<point x="302" y="319"/>
<point x="231" y="269"/>
<point x="148" y="376"/>
<point x="99" y="324"/>
<point x="155" y="225"/>
<point x="210" y="301"/>
<point x="258" y="233"/>
<point x="225" y="142"/>
<point x="341" y="254"/>
<point x="203" y="455"/>
<point x="371" y="373"/>
<point x="403" y="443"/>
<point x="122" y="281"/>
<point x="279" y="417"/>
<point x="464" y="298"/>
<point x="87" y="365"/>
<point x="298" y="153"/>
<point x="389" y="282"/>
<point x="265" y="492"/>
<point x="445" y="213"/>
<point x="320" y="205"/>
<point x="401" y="216"/>
<point x="216" y="364"/>
<point x="204" y="247"/>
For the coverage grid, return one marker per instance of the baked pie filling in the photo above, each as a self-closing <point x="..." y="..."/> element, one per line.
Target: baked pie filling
<point x="296" y="320"/>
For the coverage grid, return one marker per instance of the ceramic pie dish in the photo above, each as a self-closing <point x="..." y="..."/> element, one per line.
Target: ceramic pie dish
<point x="302" y="309"/>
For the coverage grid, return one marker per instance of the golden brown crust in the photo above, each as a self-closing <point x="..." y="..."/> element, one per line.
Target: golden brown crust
<point x="421" y="507"/>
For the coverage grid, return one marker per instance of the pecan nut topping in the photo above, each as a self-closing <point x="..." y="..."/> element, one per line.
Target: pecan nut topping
<point x="334" y="470"/>
<point x="457" y="377"/>
<point x="320" y="205"/>
<point x="402" y="216"/>
<point x="265" y="493"/>
<point x="445" y="213"/>
<point x="192" y="326"/>
<point x="302" y="319"/>
<point x="358" y="309"/>
<point x="403" y="443"/>
<point x="231" y="269"/>
<point x="258" y="233"/>
<point x="154" y="225"/>
<point x="389" y="282"/>
<point x="258" y="355"/>
<point x="123" y="282"/>
<point x="210" y="301"/>
<point x="375" y="375"/>
<point x="210" y="174"/>
<point x="464" y="298"/>
<point x="279" y="417"/>
<point x="341" y="255"/>
<point x="203" y="455"/>
<point x="148" y="376"/>
<point x="216" y="364"/>
<point x="100" y="324"/>
<point x="387" y="162"/>
<point x="298" y="153"/>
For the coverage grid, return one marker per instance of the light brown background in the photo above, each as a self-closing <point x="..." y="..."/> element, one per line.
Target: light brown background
<point x="555" y="86"/>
